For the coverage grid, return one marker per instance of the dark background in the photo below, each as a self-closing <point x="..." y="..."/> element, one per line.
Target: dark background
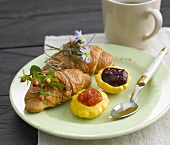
<point x="23" y="27"/>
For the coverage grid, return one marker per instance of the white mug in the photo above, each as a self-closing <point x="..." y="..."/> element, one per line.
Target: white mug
<point x="131" y="22"/>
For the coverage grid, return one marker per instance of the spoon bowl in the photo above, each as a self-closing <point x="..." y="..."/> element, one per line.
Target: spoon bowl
<point x="124" y="109"/>
<point x="130" y="107"/>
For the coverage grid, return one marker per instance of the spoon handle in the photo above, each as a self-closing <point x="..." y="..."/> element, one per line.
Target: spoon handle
<point x="152" y="68"/>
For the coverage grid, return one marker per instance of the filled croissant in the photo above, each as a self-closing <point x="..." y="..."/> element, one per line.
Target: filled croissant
<point x="73" y="81"/>
<point x="99" y="59"/>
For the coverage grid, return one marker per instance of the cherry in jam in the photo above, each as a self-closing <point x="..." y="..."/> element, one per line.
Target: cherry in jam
<point x="90" y="97"/>
<point x="114" y="76"/>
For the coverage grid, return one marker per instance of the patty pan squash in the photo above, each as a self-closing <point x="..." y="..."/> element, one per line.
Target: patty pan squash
<point x="117" y="86"/>
<point x="89" y="112"/>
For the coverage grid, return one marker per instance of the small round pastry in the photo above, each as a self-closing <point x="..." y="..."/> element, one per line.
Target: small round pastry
<point x="89" y="103"/>
<point x="113" y="79"/>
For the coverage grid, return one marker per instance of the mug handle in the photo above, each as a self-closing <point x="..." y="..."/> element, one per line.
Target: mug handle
<point x="158" y="22"/>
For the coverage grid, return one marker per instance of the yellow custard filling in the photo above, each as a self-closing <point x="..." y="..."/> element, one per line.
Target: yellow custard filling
<point x="110" y="88"/>
<point x="83" y="111"/>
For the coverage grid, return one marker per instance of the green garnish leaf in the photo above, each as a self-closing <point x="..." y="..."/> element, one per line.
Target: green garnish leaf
<point x="36" y="76"/>
<point x="35" y="68"/>
<point x="51" y="73"/>
<point x="53" y="84"/>
<point x="54" y="79"/>
<point x="42" y="78"/>
<point x="27" y="77"/>
<point x="45" y="93"/>
<point x="23" y="71"/>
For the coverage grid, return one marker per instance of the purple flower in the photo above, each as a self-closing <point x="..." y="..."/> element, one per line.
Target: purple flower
<point x="79" y="36"/>
<point x="85" y="51"/>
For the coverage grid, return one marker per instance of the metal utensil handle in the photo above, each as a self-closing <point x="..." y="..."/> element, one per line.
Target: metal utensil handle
<point x="152" y="68"/>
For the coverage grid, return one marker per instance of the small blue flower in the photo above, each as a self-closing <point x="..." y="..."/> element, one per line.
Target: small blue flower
<point x="85" y="51"/>
<point x="79" y="36"/>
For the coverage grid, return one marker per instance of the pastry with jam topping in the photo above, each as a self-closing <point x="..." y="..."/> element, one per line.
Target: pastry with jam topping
<point x="89" y="103"/>
<point x="113" y="79"/>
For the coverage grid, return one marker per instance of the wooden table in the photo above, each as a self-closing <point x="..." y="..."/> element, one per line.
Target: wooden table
<point x="23" y="26"/>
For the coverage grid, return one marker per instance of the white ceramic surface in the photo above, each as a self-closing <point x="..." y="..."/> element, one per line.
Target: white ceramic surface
<point x="131" y="24"/>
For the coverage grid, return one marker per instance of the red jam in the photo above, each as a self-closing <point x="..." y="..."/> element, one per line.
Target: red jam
<point x="114" y="76"/>
<point x="90" y="97"/>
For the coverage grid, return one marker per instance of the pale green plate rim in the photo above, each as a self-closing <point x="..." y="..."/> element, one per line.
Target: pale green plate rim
<point x="105" y="130"/>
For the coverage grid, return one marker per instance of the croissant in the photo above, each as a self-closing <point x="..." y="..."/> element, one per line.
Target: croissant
<point x="99" y="60"/>
<point x="73" y="81"/>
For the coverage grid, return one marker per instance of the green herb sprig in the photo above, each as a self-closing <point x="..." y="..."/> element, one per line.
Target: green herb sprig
<point x="76" y="49"/>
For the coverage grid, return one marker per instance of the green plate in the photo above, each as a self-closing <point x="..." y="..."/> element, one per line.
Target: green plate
<point x="153" y="101"/>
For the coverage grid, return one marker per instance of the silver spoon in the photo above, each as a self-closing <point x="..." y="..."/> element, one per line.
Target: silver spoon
<point x="130" y="107"/>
